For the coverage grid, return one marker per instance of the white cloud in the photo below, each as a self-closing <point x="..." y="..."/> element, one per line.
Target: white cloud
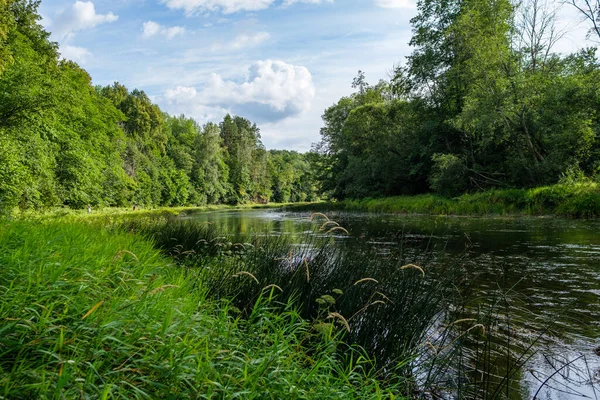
<point x="225" y="6"/>
<point x="272" y="91"/>
<point x="78" y="54"/>
<point x="80" y="16"/>
<point x="152" y="28"/>
<point x="290" y="2"/>
<point x="249" y="40"/>
<point x="181" y="94"/>
<point x="395" y="3"/>
<point x="242" y="41"/>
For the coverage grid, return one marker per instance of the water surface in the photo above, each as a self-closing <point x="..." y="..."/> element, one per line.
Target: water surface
<point x="548" y="268"/>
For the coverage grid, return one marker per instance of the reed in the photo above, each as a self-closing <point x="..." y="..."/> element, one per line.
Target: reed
<point x="163" y="307"/>
<point x="417" y="327"/>
<point x="382" y="309"/>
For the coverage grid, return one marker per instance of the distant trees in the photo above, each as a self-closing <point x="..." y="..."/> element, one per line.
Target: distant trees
<point x="66" y="142"/>
<point x="482" y="102"/>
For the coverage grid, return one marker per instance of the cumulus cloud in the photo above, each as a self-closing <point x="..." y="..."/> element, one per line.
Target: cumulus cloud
<point x="80" y="16"/>
<point x="77" y="54"/>
<point x="152" y="28"/>
<point x="395" y="3"/>
<point x="225" y="6"/>
<point x="272" y="91"/>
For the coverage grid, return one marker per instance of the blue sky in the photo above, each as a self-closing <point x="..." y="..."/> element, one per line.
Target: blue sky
<point x="279" y="63"/>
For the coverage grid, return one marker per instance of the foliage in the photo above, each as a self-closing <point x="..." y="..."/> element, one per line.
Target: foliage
<point x="66" y="142"/>
<point x="448" y="175"/>
<point x="483" y="102"/>
<point x="96" y="313"/>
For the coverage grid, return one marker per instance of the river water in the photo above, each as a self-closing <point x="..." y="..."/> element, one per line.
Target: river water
<point x="548" y="267"/>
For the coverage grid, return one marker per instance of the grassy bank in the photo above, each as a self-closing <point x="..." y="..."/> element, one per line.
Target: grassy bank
<point x="574" y="201"/>
<point x="62" y="212"/>
<point x="90" y="312"/>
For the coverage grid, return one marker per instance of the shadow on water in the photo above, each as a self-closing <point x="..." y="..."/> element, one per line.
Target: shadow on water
<point x="504" y="308"/>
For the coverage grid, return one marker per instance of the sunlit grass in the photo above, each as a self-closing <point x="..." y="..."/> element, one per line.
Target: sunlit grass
<point x="93" y="313"/>
<point x="580" y="200"/>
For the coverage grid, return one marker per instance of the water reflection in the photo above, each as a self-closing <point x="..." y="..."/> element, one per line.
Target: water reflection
<point x="551" y="266"/>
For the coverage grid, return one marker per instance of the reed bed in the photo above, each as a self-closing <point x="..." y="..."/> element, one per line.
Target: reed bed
<point x="420" y="325"/>
<point x="159" y="306"/>
<point x="385" y="304"/>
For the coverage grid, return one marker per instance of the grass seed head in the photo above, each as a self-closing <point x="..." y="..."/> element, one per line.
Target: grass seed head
<point x="247" y="274"/>
<point x="415" y="267"/>
<point x="340" y="318"/>
<point x="366" y="280"/>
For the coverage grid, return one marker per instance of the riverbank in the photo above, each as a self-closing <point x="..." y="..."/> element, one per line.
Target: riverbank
<point x="88" y="309"/>
<point x="57" y="213"/>
<point x="573" y="201"/>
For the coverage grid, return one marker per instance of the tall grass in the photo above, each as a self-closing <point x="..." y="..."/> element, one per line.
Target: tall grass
<point x="420" y="325"/>
<point x="163" y="307"/>
<point x="91" y="313"/>
<point x="386" y="304"/>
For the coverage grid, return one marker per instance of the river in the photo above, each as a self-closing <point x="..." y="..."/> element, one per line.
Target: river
<point x="548" y="267"/>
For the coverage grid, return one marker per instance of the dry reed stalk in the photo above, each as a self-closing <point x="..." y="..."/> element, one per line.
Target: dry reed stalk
<point x="326" y="224"/>
<point x="245" y="273"/>
<point x="87" y="314"/>
<point x="432" y="347"/>
<point x="120" y="254"/>
<point x="464" y="333"/>
<point x="340" y="318"/>
<point x="477" y="326"/>
<point x="365" y="307"/>
<point x="458" y="321"/>
<point x="338" y="228"/>
<point x="307" y="271"/>
<point x="413" y="266"/>
<point x="384" y="296"/>
<point x="272" y="285"/>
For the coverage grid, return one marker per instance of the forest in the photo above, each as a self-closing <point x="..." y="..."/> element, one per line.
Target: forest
<point x="484" y="101"/>
<point x="486" y="116"/>
<point x="66" y="142"/>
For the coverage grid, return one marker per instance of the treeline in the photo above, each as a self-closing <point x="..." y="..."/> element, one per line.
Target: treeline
<point x="65" y="142"/>
<point x="482" y="102"/>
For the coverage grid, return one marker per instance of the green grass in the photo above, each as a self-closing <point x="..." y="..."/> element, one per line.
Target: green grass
<point x="388" y="314"/>
<point x="89" y="312"/>
<point x="580" y="200"/>
<point x="63" y="212"/>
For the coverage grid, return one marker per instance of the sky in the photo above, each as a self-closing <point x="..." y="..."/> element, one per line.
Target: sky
<point x="279" y="63"/>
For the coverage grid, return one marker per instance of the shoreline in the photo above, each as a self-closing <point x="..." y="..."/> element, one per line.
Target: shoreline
<point x="578" y="201"/>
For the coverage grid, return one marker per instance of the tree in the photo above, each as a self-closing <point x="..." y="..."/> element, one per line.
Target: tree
<point x="590" y="11"/>
<point x="210" y="173"/>
<point x="7" y="23"/>
<point x="360" y="82"/>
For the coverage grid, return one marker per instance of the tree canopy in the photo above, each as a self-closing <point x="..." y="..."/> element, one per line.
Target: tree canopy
<point x="482" y="102"/>
<point x="65" y="142"/>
